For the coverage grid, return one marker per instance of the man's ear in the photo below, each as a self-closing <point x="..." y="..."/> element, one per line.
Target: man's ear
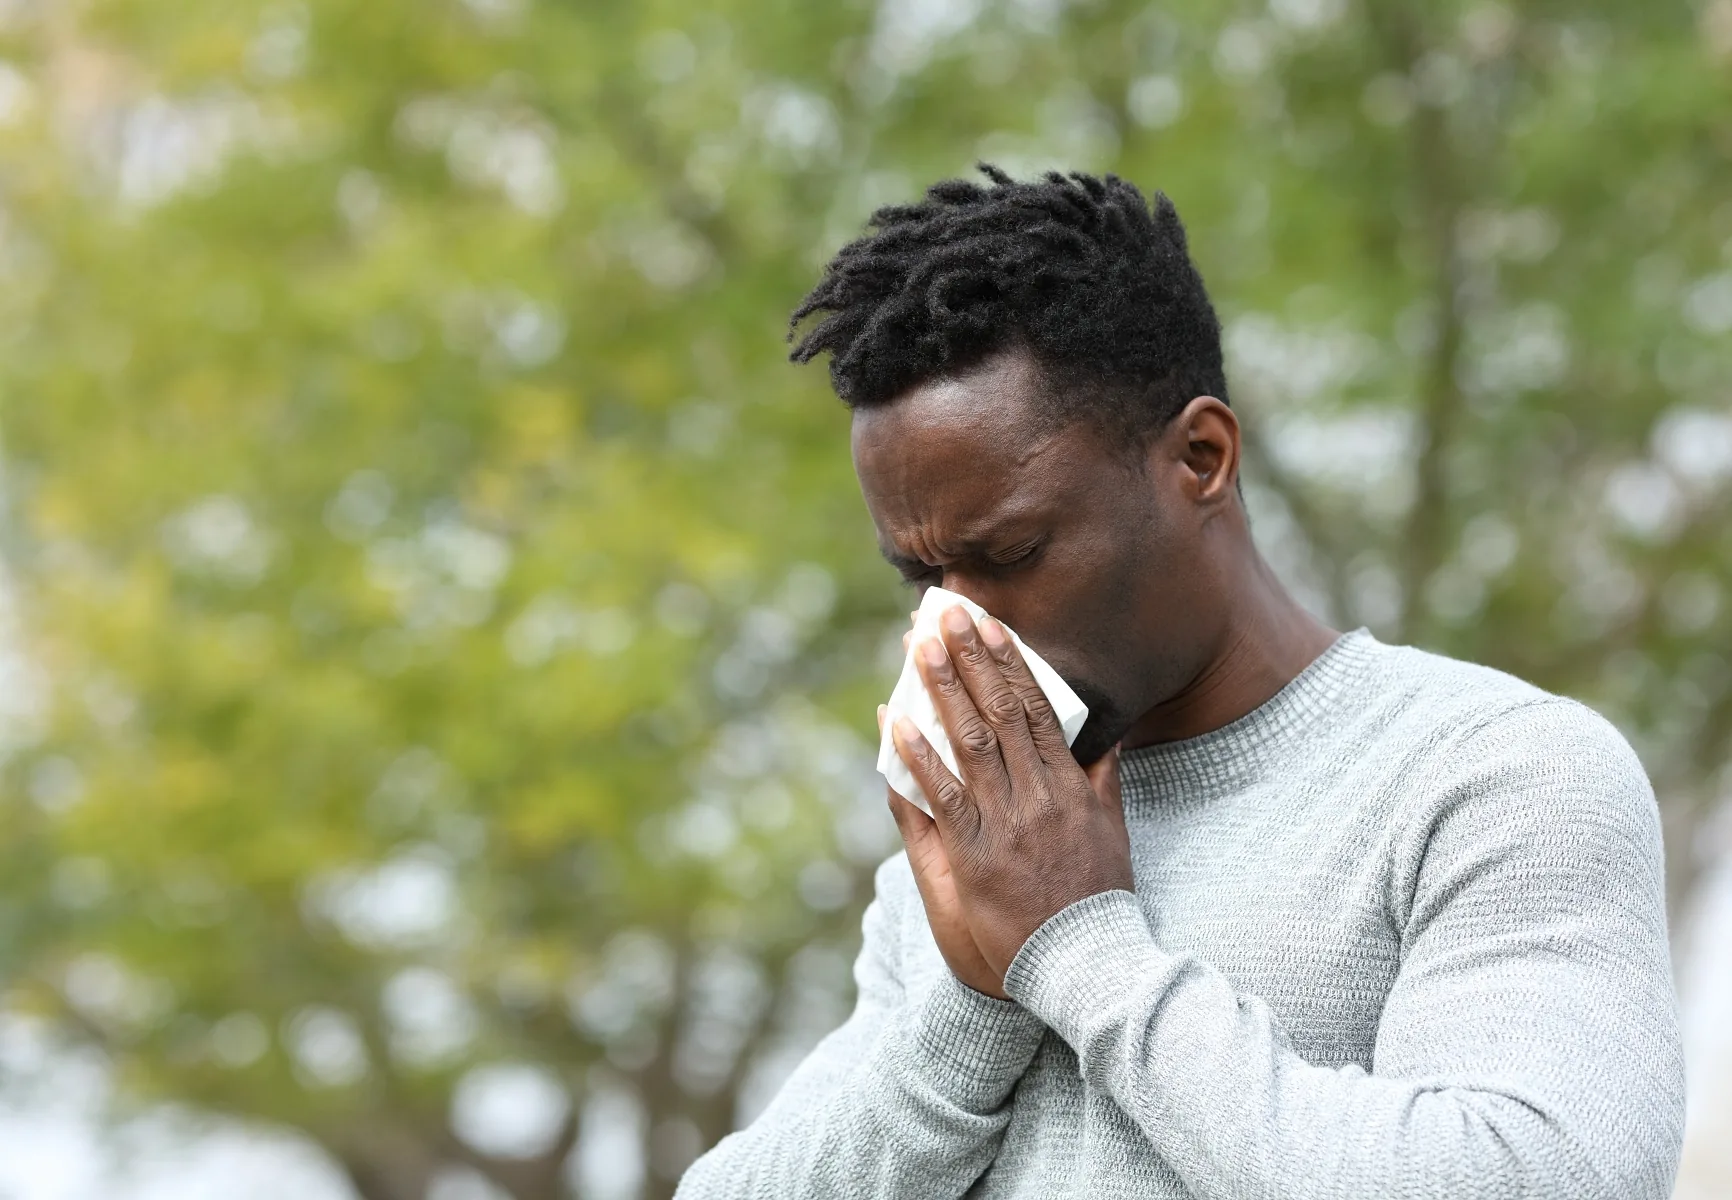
<point x="1203" y="443"/>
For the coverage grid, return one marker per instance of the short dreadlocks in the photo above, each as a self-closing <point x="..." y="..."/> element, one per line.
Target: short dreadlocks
<point x="1076" y="269"/>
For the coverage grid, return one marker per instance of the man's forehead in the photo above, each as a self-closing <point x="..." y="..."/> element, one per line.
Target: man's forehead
<point x="1001" y="397"/>
<point x="970" y="470"/>
<point x="948" y="435"/>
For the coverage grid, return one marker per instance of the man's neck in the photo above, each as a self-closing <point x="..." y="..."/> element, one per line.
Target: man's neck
<point x="1268" y="640"/>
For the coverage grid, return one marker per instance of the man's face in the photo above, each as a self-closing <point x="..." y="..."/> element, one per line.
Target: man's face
<point x="1091" y="556"/>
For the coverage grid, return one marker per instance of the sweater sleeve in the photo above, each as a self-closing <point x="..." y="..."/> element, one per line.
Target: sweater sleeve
<point x="1528" y="1048"/>
<point x="906" y="1098"/>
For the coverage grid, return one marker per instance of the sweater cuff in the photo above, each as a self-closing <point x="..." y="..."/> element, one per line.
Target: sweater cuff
<point x="972" y="1047"/>
<point x="1088" y="958"/>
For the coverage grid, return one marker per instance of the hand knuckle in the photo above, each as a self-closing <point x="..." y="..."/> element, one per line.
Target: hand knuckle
<point x="1049" y="810"/>
<point x="974" y="654"/>
<point x="1039" y="816"/>
<point x="977" y="738"/>
<point x="950" y="794"/>
<point x="1036" y="705"/>
<point x="1003" y="707"/>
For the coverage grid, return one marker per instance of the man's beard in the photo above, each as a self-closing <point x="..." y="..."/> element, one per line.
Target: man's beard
<point x="1105" y="725"/>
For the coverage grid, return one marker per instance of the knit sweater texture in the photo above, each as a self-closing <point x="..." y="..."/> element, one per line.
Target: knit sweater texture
<point x="1398" y="932"/>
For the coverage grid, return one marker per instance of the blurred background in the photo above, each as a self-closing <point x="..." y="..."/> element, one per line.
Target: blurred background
<point x="439" y="633"/>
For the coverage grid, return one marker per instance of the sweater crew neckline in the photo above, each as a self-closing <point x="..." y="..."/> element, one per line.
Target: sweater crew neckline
<point x="1226" y="759"/>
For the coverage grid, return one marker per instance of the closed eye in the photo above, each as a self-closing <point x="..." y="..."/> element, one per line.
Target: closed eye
<point x="1019" y="555"/>
<point x="916" y="574"/>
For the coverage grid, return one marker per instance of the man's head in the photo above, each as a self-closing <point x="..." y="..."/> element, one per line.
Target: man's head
<point x="1040" y="423"/>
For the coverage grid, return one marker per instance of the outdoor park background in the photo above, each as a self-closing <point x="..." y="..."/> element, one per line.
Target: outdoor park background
<point x="441" y="633"/>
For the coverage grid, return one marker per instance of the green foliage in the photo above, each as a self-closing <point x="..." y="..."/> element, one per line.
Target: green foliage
<point x="439" y="596"/>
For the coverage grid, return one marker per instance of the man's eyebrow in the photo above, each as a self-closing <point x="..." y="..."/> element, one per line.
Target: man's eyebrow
<point x="972" y="548"/>
<point x="977" y="539"/>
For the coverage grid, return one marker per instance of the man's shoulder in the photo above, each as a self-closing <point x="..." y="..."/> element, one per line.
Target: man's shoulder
<point x="1449" y="689"/>
<point x="1465" y="710"/>
<point x="1454" y="699"/>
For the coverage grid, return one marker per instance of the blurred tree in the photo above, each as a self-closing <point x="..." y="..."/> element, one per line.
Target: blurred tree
<point x="443" y="631"/>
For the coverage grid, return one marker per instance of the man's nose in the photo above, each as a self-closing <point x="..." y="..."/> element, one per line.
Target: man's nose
<point x="992" y="599"/>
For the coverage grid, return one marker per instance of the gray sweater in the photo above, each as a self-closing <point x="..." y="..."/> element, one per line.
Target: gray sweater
<point x="1397" y="933"/>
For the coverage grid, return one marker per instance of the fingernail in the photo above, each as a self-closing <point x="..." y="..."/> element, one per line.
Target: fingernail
<point x="932" y="650"/>
<point x="992" y="633"/>
<point x="957" y="621"/>
<point x="906" y="730"/>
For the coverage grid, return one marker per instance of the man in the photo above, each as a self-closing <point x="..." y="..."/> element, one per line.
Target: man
<point x="1299" y="914"/>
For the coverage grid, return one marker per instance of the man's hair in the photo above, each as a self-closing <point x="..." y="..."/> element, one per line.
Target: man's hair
<point x="1077" y="270"/>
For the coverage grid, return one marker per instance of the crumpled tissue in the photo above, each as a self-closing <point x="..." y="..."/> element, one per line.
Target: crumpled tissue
<point x="910" y="699"/>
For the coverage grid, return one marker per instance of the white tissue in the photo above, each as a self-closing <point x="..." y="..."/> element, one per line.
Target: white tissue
<point x="910" y="699"/>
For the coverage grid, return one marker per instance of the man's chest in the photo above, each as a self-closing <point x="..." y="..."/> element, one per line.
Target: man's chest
<point x="1292" y="910"/>
<point x="1288" y="901"/>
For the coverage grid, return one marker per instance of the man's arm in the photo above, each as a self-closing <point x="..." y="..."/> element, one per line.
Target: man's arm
<point x="904" y="1099"/>
<point x="1529" y="1047"/>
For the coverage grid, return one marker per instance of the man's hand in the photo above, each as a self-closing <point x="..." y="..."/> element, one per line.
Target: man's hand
<point x="938" y="892"/>
<point x="1026" y="831"/>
